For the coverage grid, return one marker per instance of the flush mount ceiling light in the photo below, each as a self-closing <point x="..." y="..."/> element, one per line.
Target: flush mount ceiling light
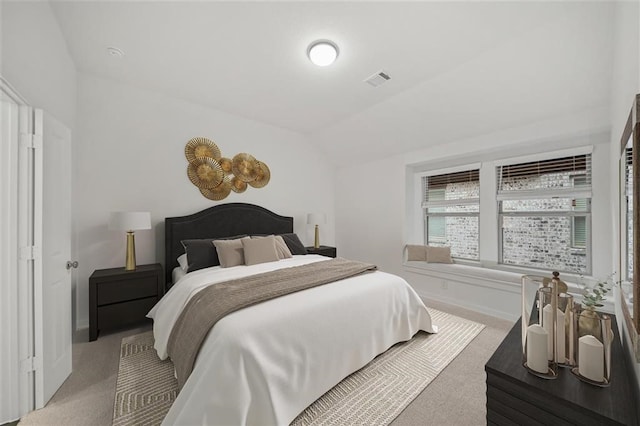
<point x="322" y="52"/>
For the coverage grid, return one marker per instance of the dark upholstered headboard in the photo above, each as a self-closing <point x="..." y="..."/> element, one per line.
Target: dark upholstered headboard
<point x="224" y="220"/>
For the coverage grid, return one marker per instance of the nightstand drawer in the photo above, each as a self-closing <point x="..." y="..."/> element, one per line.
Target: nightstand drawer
<point x="322" y="250"/>
<point x="123" y="290"/>
<point x="125" y="313"/>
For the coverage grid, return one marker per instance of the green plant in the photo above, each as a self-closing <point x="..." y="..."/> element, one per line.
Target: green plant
<point x="592" y="297"/>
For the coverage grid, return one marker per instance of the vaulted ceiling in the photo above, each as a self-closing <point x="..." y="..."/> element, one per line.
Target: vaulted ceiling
<point x="457" y="68"/>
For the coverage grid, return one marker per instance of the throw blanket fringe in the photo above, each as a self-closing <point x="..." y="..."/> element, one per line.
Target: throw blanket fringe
<point x="211" y="304"/>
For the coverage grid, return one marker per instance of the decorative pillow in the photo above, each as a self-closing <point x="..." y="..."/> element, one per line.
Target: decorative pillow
<point x="294" y="243"/>
<point x="201" y="253"/>
<point x="415" y="252"/>
<point x="259" y="250"/>
<point x="281" y="246"/>
<point x="183" y="262"/>
<point x="230" y="252"/>
<point x="439" y="254"/>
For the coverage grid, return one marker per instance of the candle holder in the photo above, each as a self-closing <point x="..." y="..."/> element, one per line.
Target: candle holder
<point x="592" y="339"/>
<point x="564" y="353"/>
<point x="539" y="331"/>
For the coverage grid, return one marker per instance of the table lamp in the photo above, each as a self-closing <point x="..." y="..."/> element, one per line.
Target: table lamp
<point x="315" y="219"/>
<point x="130" y="221"/>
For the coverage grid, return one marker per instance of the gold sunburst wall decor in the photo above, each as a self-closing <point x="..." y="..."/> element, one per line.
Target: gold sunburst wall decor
<point x="216" y="176"/>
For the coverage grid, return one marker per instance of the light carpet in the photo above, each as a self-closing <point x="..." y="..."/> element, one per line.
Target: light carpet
<point x="373" y="395"/>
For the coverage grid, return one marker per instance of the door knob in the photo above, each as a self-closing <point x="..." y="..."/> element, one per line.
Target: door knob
<point x="71" y="264"/>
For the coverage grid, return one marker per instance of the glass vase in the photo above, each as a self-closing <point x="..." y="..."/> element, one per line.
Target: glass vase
<point x="538" y="331"/>
<point x="592" y="339"/>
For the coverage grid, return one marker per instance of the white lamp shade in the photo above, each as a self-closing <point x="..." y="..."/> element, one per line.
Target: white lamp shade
<point x="316" y="218"/>
<point x="129" y="221"/>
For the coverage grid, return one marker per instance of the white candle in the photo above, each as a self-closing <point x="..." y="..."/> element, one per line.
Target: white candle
<point x="537" y="349"/>
<point x="547" y="324"/>
<point x="591" y="358"/>
<point x="560" y="348"/>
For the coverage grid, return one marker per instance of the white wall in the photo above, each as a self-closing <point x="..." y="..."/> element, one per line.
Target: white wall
<point x="130" y="156"/>
<point x="624" y="86"/>
<point x="372" y="225"/>
<point x="35" y="60"/>
<point x="370" y="213"/>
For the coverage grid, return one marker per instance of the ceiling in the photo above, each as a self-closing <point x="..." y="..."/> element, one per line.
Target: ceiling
<point x="457" y="69"/>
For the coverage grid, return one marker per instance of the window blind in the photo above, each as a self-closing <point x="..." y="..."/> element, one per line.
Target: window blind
<point x="434" y="194"/>
<point x="547" y="178"/>
<point x="628" y="173"/>
<point x="458" y="177"/>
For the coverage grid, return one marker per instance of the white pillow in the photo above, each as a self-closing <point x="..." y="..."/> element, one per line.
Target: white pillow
<point x="182" y="261"/>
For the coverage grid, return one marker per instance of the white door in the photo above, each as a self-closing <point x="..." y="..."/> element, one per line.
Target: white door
<point x="52" y="238"/>
<point x="17" y="353"/>
<point x="10" y="389"/>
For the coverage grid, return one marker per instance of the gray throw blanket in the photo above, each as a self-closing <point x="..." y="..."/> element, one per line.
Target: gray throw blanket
<point x="214" y="302"/>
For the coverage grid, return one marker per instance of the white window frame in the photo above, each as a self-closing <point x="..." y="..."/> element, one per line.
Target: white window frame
<point x="427" y="228"/>
<point x="574" y="244"/>
<point x="575" y="193"/>
<point x="425" y="206"/>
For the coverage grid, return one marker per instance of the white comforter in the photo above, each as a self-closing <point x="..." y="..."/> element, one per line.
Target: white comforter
<point x="265" y="364"/>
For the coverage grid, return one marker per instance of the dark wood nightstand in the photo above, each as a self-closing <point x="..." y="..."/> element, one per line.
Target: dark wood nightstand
<point x="323" y="250"/>
<point x="118" y="297"/>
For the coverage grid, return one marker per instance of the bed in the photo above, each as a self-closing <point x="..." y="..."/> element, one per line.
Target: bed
<point x="264" y="364"/>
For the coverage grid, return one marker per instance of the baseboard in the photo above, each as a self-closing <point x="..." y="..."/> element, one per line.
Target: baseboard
<point x="81" y="335"/>
<point x="473" y="307"/>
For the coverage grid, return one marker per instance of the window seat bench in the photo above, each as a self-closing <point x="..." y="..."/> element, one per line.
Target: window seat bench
<point x="491" y="291"/>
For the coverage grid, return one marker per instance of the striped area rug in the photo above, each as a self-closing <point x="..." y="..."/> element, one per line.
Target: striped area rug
<point x="373" y="395"/>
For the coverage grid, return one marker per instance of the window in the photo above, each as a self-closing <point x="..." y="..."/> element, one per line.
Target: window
<point x="451" y="207"/>
<point x="545" y="214"/>
<point x="628" y="204"/>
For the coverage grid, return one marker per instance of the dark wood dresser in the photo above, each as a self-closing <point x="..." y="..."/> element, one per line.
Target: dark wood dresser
<point x="118" y="297"/>
<point x="516" y="397"/>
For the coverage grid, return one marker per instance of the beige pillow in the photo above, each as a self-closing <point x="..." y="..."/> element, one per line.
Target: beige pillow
<point x="230" y="252"/>
<point x="260" y="250"/>
<point x="416" y="252"/>
<point x="281" y="246"/>
<point x="439" y="254"/>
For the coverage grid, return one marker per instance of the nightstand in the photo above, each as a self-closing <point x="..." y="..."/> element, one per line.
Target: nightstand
<point x="118" y="297"/>
<point x="323" y="250"/>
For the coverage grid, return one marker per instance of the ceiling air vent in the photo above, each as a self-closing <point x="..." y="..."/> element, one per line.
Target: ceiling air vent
<point x="378" y="78"/>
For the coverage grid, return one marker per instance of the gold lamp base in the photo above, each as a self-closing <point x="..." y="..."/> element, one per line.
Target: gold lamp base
<point x="316" y="243"/>
<point x="130" y="264"/>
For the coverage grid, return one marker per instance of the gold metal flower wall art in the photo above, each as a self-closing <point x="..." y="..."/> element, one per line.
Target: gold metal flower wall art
<point x="216" y="176"/>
